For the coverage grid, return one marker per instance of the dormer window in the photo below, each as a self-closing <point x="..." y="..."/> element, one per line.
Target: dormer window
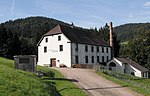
<point x="59" y="38"/>
<point x="46" y="40"/>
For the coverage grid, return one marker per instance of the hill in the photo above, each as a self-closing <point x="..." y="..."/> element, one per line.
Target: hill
<point x="20" y="83"/>
<point x="127" y="32"/>
<point x="21" y="35"/>
<point x="135" y="42"/>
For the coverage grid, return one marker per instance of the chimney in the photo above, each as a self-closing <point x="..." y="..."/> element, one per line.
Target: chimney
<point x="111" y="38"/>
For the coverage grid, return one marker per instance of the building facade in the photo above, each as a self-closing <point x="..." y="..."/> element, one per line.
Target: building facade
<point x="127" y="66"/>
<point x="69" y="45"/>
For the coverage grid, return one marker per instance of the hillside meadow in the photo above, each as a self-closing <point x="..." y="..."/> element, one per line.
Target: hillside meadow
<point x="20" y="83"/>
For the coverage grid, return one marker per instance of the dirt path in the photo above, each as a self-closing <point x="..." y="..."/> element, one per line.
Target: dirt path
<point x="95" y="85"/>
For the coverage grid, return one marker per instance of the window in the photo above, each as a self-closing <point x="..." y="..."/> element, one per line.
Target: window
<point x="102" y="58"/>
<point x="92" y="59"/>
<point x="86" y="59"/>
<point x="59" y="38"/>
<point x="46" y="39"/>
<point x="76" y="47"/>
<point x="45" y="49"/>
<point x="107" y="49"/>
<point x="86" y="48"/>
<point x="60" y="47"/>
<point x="92" y="48"/>
<point x="97" y="49"/>
<point x="107" y="58"/>
<point x="76" y="60"/>
<point x="98" y="59"/>
<point x="102" y="49"/>
<point x="132" y="73"/>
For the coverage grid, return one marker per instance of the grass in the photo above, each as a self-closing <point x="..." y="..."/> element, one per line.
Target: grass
<point x="6" y="62"/>
<point x="64" y="86"/>
<point x="20" y="83"/>
<point x="140" y="85"/>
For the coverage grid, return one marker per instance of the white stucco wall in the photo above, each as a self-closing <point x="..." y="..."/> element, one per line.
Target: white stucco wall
<point x="62" y="57"/>
<point x="136" y="71"/>
<point x="81" y="53"/>
<point x="67" y="56"/>
<point x="128" y="68"/>
<point x="119" y="66"/>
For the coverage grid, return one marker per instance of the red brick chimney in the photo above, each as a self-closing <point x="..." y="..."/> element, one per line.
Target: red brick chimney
<point x="111" y="38"/>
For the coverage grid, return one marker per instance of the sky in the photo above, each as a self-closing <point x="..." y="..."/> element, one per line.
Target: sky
<point x="83" y="13"/>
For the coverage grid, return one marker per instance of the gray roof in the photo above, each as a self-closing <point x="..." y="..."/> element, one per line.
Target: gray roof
<point x="77" y="35"/>
<point x="133" y="63"/>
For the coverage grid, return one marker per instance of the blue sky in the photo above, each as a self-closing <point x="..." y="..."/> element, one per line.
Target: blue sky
<point x="83" y="13"/>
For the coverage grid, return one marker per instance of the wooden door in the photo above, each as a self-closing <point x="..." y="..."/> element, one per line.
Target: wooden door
<point x="53" y="62"/>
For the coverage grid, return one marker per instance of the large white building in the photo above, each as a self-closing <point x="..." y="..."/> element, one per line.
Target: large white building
<point x="69" y="45"/>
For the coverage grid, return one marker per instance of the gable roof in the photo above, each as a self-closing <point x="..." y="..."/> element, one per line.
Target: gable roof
<point x="133" y="63"/>
<point x="77" y="35"/>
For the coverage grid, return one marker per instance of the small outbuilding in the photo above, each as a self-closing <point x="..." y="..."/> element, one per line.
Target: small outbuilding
<point x="127" y="66"/>
<point x="25" y="62"/>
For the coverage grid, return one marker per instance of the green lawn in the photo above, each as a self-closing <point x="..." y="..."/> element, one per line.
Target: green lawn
<point x="140" y="85"/>
<point x="64" y="86"/>
<point x="20" y="83"/>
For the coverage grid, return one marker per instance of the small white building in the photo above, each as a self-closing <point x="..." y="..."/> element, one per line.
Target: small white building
<point x="70" y="45"/>
<point x="127" y="66"/>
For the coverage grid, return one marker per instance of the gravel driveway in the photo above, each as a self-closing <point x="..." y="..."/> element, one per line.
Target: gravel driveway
<point x="95" y="85"/>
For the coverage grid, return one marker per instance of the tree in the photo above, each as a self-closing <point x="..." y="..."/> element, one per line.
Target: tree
<point x="3" y="39"/>
<point x="104" y="34"/>
<point x="138" y="49"/>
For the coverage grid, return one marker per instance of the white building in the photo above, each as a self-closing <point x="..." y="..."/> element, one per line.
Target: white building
<point x="70" y="45"/>
<point x="127" y="66"/>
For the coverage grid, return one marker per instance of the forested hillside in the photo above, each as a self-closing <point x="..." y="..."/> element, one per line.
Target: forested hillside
<point x="21" y="36"/>
<point x="129" y="31"/>
<point x="137" y="45"/>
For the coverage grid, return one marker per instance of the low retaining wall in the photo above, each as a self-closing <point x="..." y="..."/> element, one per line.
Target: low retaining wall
<point x="88" y="66"/>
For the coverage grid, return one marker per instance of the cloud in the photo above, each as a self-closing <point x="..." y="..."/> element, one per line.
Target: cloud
<point x="147" y="4"/>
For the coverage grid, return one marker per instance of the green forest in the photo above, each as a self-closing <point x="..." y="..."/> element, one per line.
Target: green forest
<point x="20" y="37"/>
<point x="135" y="42"/>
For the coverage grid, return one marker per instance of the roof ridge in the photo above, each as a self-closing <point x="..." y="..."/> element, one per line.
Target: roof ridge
<point x="132" y="63"/>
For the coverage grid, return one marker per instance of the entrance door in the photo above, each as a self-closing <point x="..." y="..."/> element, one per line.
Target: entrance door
<point x="53" y="62"/>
